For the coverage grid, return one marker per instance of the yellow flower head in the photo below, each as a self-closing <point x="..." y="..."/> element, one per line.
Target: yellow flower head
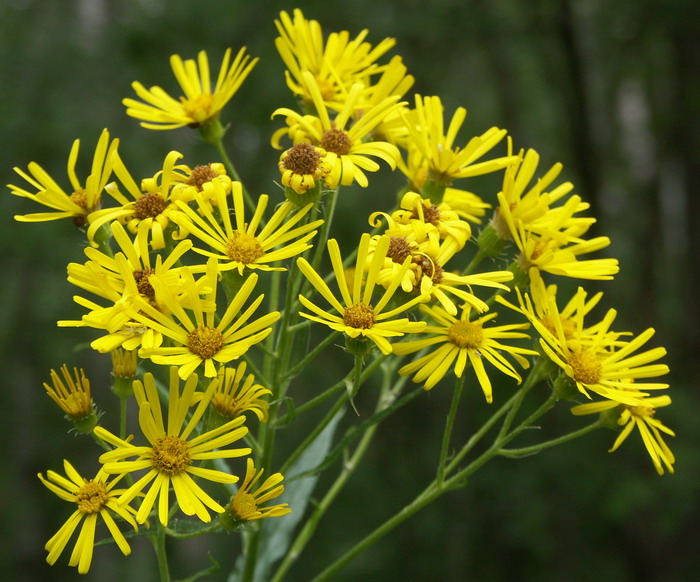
<point x="199" y="339"/>
<point x="72" y="394"/>
<point x="235" y="396"/>
<point x="246" y="504"/>
<point x="346" y="151"/>
<point x="201" y="181"/>
<point x="85" y="197"/>
<point x="200" y="103"/>
<point x="360" y="316"/>
<point x="335" y="66"/>
<point x="172" y="453"/>
<point x="460" y="342"/>
<point x="244" y="245"/>
<point x="150" y="204"/>
<point x="94" y="498"/>
<point x="301" y="166"/>
<point x="641" y="416"/>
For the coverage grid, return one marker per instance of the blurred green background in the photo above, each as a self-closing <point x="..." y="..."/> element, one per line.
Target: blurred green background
<point x="610" y="89"/>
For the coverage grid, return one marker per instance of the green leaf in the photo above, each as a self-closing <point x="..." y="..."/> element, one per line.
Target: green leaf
<point x="276" y="537"/>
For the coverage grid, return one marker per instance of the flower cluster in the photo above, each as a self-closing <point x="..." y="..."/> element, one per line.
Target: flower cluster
<point x="199" y="290"/>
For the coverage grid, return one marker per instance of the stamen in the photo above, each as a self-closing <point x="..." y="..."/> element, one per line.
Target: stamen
<point x="145" y="288"/>
<point x="359" y="316"/>
<point x="244" y="248"/>
<point x="465" y="334"/>
<point x="205" y="342"/>
<point x="336" y="141"/>
<point x="399" y="249"/>
<point x="302" y="159"/>
<point x="201" y="175"/>
<point x="149" y="205"/>
<point x="586" y="367"/>
<point x="91" y="497"/>
<point x="171" y="455"/>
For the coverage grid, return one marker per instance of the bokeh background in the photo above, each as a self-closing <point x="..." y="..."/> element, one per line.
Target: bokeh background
<point x="610" y="89"/>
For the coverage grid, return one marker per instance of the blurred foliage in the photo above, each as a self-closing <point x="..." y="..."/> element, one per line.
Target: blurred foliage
<point x="609" y="89"/>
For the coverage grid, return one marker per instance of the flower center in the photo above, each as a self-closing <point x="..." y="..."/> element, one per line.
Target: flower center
<point x="91" y="497"/>
<point x="336" y="141"/>
<point x="465" y="334"/>
<point x="171" y="455"/>
<point x="302" y="159"/>
<point x="80" y="198"/>
<point x="197" y="109"/>
<point x="141" y="277"/>
<point x="77" y="405"/>
<point x="201" y="175"/>
<point x="149" y="205"/>
<point x="244" y="248"/>
<point x="568" y="326"/>
<point x="226" y="406"/>
<point x="586" y="367"/>
<point x="431" y="215"/>
<point x="399" y="249"/>
<point x="243" y="505"/>
<point x="205" y="342"/>
<point x="359" y="316"/>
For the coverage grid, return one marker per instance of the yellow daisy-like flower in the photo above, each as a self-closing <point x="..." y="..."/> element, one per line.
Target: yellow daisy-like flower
<point x="301" y="166"/>
<point x="360" y="316"/>
<point x="94" y="498"/>
<point x="171" y="454"/>
<point x="334" y="66"/>
<point x="641" y="417"/>
<point x="346" y="152"/>
<point x="461" y="342"/>
<point x="84" y="199"/>
<point x="72" y="394"/>
<point x="204" y="340"/>
<point x="430" y="144"/>
<point x="595" y="359"/>
<point x="200" y="104"/>
<point x="235" y="396"/>
<point x="201" y="180"/>
<point x="241" y="246"/>
<point x="246" y="504"/>
<point x="151" y="203"/>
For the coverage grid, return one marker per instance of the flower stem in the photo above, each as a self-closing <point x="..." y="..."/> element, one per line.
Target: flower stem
<point x="456" y="394"/>
<point x="159" y="545"/>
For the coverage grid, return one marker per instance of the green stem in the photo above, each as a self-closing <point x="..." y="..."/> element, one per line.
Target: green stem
<point x="122" y="416"/>
<point x="159" y="545"/>
<point x="478" y="257"/>
<point x="456" y="394"/>
<point x="524" y="451"/>
<point x="311" y="355"/>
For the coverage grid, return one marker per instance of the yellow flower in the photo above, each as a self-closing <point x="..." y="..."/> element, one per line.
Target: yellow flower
<point x="461" y="342"/>
<point x="201" y="180"/>
<point x="204" y="340"/>
<point x="346" y="152"/>
<point x="200" y="104"/>
<point x="642" y="417"/>
<point x="245" y="505"/>
<point x="234" y="396"/>
<point x="594" y="358"/>
<point x="121" y="278"/>
<point x="360" y="316"/>
<point x="335" y="66"/>
<point x="429" y="144"/>
<point x="301" y="166"/>
<point x="171" y="454"/>
<point x="72" y="394"/>
<point x="83" y="200"/>
<point x="467" y="205"/>
<point x="244" y="248"/>
<point x="94" y="498"/>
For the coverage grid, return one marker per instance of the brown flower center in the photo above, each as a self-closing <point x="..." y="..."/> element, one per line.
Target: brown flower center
<point x="302" y="158"/>
<point x="201" y="175"/>
<point x="399" y="249"/>
<point x="431" y="215"/>
<point x="465" y="334"/>
<point x="149" y="205"/>
<point x="244" y="248"/>
<point x="91" y="497"/>
<point x="336" y="141"/>
<point x="171" y="455"/>
<point x="141" y="277"/>
<point x="205" y="341"/>
<point x="359" y="316"/>
<point x="586" y="367"/>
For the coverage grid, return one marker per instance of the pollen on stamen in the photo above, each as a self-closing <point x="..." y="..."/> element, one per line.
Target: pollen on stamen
<point x="205" y="342"/>
<point x="431" y="215"/>
<point x="201" y="175"/>
<point x="336" y="141"/>
<point x="244" y="248"/>
<point x="91" y="497"/>
<point x="359" y="316"/>
<point x="171" y="455"/>
<point x="586" y="367"/>
<point x="399" y="249"/>
<point x="302" y="159"/>
<point x="465" y="334"/>
<point x="144" y="287"/>
<point x="149" y="205"/>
